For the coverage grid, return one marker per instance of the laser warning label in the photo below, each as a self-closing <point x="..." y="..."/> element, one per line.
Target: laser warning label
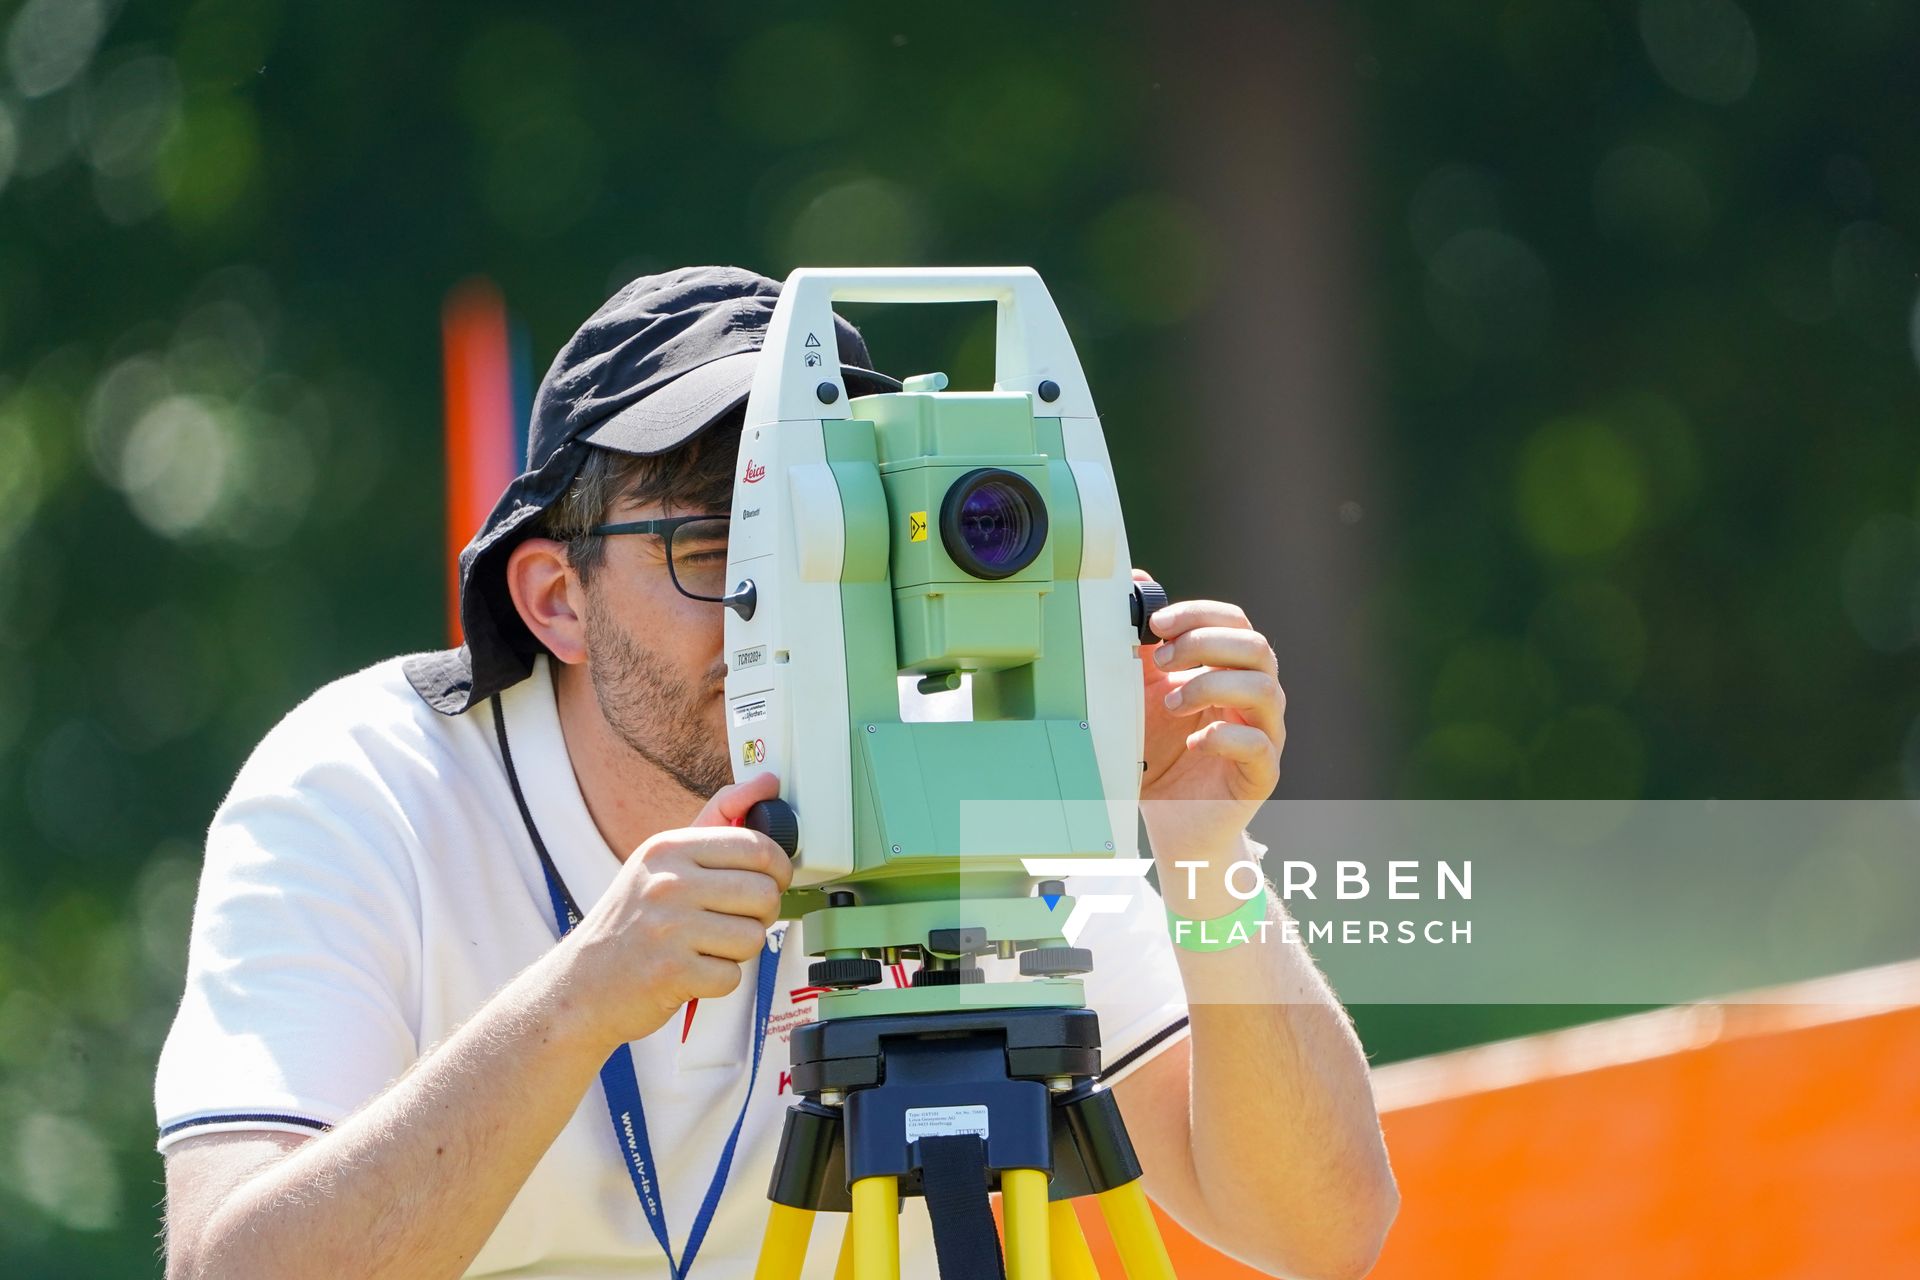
<point x="916" y="526"/>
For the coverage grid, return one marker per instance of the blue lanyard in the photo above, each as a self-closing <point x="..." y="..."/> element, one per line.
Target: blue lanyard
<point x="622" y="1089"/>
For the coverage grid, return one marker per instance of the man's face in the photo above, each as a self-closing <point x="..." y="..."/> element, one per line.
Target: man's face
<point x="654" y="655"/>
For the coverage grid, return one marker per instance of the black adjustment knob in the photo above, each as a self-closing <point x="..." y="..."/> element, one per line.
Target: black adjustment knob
<point x="949" y="977"/>
<point x="854" y="972"/>
<point x="1149" y="598"/>
<point x="1055" y="962"/>
<point x="776" y="820"/>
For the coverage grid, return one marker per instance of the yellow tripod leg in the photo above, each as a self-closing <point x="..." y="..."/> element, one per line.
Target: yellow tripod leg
<point x="1023" y="1201"/>
<point x="1136" y="1236"/>
<point x="1067" y="1244"/>
<point x="783" y="1249"/>
<point x="843" y="1267"/>
<point x="876" y="1229"/>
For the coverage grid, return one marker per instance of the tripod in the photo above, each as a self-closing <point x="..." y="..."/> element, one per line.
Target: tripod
<point x="949" y="1106"/>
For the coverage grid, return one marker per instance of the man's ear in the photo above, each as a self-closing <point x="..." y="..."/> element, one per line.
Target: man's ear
<point x="549" y="597"/>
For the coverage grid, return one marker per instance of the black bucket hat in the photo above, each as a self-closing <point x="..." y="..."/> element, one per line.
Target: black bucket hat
<point x="663" y="360"/>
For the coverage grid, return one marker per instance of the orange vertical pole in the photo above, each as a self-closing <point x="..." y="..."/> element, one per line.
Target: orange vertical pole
<point x="478" y="374"/>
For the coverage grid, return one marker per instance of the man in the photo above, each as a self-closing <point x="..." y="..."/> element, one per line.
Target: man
<point x="385" y="1064"/>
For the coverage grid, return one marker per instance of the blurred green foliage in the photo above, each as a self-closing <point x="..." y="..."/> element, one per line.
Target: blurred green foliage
<point x="1643" y="290"/>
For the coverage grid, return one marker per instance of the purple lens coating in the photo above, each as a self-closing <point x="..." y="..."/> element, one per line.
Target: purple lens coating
<point x="995" y="523"/>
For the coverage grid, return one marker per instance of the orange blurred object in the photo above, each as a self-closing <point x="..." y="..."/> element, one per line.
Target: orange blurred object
<point x="1776" y="1136"/>
<point x="478" y="372"/>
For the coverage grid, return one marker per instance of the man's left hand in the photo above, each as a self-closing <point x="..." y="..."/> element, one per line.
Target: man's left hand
<point x="1216" y="724"/>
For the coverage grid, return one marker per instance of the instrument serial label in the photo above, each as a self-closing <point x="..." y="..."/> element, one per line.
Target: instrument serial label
<point x="744" y="658"/>
<point x="941" y="1122"/>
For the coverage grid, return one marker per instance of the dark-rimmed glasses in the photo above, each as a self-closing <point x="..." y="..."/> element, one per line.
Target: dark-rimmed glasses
<point x="696" y="551"/>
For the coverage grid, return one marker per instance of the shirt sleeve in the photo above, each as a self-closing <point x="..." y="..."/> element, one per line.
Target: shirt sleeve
<point x="301" y="999"/>
<point x="1135" y="985"/>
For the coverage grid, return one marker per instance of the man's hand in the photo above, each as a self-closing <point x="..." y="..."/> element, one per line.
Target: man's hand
<point x="413" y="1183"/>
<point x="687" y="910"/>
<point x="1215" y="726"/>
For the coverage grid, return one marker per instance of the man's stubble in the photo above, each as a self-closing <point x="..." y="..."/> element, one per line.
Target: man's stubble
<point x="662" y="716"/>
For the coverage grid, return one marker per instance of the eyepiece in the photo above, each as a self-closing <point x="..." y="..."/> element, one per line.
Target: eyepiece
<point x="993" y="522"/>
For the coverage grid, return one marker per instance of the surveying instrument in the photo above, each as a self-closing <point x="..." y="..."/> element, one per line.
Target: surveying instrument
<point x="940" y="536"/>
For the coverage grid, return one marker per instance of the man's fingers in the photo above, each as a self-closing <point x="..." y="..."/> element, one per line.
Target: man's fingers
<point x="1231" y="741"/>
<point x="725" y="937"/>
<point x="1225" y="647"/>
<point x="737" y="849"/>
<point x="709" y="978"/>
<point x="1246" y="746"/>
<point x="729" y="805"/>
<point x="1254" y="694"/>
<point x="1183" y="616"/>
<point x="752" y="895"/>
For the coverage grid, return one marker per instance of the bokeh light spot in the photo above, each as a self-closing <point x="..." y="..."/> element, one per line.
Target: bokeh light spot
<point x="1873" y="278"/>
<point x="20" y="474"/>
<point x="174" y="465"/>
<point x="1704" y="49"/>
<point x="857" y="220"/>
<point x="1579" y="489"/>
<point x="1649" y="196"/>
<point x="51" y="41"/>
<point x="64" y="1168"/>
<point x="208" y="162"/>
<point x="1489" y="294"/>
<point x="9" y="145"/>
<point x="128" y="113"/>
<point x="1880" y="582"/>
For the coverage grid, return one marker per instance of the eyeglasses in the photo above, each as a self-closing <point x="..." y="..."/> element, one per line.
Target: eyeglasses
<point x="695" y="548"/>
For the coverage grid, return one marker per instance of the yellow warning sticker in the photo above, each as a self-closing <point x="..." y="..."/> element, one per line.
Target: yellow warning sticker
<point x="916" y="526"/>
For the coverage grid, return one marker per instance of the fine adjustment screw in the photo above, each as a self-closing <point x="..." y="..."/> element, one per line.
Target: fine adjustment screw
<point x="828" y="392"/>
<point x="1148" y="598"/>
<point x="776" y="820"/>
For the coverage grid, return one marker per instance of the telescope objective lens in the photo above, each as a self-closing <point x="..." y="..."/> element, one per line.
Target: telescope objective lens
<point x="993" y="522"/>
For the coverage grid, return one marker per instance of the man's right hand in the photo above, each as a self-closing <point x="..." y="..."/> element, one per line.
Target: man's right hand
<point x="687" y="910"/>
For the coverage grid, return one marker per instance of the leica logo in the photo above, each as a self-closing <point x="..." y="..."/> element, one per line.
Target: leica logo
<point x="753" y="474"/>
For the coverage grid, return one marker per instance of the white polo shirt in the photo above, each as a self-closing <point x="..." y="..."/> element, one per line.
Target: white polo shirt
<point x="369" y="884"/>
